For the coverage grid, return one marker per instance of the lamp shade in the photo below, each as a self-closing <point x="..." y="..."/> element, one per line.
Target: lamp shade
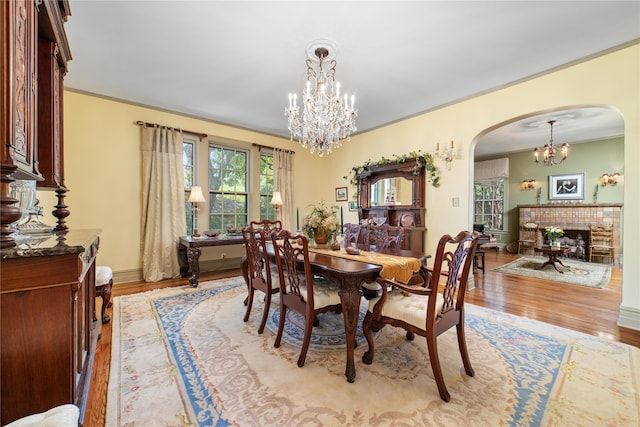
<point x="196" y="195"/>
<point x="276" y="200"/>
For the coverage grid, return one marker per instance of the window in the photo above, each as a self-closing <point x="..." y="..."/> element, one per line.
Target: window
<point x="228" y="188"/>
<point x="489" y="204"/>
<point x="188" y="161"/>
<point x="267" y="211"/>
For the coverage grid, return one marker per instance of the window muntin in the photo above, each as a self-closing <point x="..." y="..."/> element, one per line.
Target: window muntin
<point x="489" y="204"/>
<point x="267" y="211"/>
<point x="188" y="161"/>
<point x="228" y="188"/>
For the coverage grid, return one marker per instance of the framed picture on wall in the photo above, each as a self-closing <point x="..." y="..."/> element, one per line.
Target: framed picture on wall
<point x="566" y="187"/>
<point x="353" y="206"/>
<point x="341" y="194"/>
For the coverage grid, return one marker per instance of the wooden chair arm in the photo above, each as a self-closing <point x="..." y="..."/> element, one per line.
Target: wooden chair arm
<point x="417" y="290"/>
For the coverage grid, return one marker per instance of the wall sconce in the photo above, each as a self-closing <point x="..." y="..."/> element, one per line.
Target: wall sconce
<point x="195" y="197"/>
<point x="276" y="201"/>
<point x="610" y="179"/>
<point x="446" y="154"/>
<point x="528" y="184"/>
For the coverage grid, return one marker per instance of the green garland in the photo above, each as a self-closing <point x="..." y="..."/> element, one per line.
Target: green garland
<point x="433" y="176"/>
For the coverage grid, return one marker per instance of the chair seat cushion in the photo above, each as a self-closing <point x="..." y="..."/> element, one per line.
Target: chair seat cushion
<point x="410" y="308"/>
<point x="325" y="292"/>
<point x="60" y="416"/>
<point x="103" y="275"/>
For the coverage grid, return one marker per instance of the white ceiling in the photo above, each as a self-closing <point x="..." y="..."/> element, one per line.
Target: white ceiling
<point x="236" y="61"/>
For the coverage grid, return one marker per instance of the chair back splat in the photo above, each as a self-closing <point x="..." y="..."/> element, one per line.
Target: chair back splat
<point x="262" y="275"/>
<point x="351" y="233"/>
<point x="429" y="309"/>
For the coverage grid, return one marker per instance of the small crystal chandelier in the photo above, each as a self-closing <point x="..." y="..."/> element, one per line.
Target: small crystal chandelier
<point x="549" y="151"/>
<point x="326" y="118"/>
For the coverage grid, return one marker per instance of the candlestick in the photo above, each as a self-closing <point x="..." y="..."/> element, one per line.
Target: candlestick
<point x="341" y="221"/>
<point x="297" y="219"/>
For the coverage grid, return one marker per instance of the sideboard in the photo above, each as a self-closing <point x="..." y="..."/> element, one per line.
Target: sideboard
<point x="47" y="332"/>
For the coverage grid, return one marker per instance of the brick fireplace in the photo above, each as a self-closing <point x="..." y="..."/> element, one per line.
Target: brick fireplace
<point x="576" y="216"/>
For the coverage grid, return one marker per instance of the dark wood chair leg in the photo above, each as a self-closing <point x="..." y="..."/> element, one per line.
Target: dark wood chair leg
<point x="106" y="301"/>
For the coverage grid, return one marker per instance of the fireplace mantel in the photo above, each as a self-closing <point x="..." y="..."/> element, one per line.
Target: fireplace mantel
<point x="576" y="216"/>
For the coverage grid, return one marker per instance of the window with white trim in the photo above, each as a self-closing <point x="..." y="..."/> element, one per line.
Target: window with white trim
<point x="228" y="188"/>
<point x="489" y="202"/>
<point x="188" y="161"/>
<point x="267" y="210"/>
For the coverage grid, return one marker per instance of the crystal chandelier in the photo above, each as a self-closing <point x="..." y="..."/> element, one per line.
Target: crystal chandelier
<point x="549" y="151"/>
<point x="326" y="118"/>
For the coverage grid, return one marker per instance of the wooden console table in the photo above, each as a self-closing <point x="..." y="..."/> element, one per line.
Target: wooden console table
<point x="190" y="250"/>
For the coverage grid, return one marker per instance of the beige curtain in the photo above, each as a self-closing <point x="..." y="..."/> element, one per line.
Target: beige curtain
<point x="283" y="182"/>
<point x="163" y="206"/>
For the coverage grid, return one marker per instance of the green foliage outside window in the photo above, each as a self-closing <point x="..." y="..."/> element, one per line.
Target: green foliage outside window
<point x="489" y="199"/>
<point x="228" y="191"/>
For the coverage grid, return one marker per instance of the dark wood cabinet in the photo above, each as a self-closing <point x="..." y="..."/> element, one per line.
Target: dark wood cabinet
<point x="35" y="53"/>
<point x="47" y="332"/>
<point x="395" y="191"/>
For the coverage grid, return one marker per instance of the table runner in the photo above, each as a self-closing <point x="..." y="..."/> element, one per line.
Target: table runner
<point x="393" y="266"/>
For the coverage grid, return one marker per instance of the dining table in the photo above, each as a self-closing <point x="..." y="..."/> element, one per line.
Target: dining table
<point x="352" y="272"/>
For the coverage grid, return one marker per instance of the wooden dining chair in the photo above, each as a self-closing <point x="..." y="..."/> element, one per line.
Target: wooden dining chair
<point x="384" y="236"/>
<point x="601" y="242"/>
<point x="528" y="238"/>
<point x="430" y="309"/>
<point x="262" y="274"/>
<point x="351" y="233"/>
<point x="300" y="289"/>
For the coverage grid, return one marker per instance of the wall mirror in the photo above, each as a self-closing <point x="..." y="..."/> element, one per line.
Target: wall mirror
<point x="397" y="191"/>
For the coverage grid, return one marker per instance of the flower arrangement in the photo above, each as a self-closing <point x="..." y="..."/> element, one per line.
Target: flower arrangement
<point x="320" y="217"/>
<point x="553" y="233"/>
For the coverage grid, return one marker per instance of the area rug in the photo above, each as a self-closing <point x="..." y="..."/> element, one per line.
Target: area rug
<point x="183" y="356"/>
<point x="574" y="272"/>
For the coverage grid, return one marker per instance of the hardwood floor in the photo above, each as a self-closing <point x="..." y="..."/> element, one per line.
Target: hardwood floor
<point x="591" y="311"/>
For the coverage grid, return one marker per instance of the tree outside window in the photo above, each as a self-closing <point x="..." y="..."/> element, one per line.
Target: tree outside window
<point x="267" y="211"/>
<point x="189" y="173"/>
<point x="228" y="188"/>
<point x="489" y="204"/>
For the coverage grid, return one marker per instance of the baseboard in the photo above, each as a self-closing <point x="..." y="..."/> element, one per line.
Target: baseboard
<point x="135" y="275"/>
<point x="629" y="318"/>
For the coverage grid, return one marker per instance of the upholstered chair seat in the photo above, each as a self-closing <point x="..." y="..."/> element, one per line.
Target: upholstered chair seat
<point x="325" y="292"/>
<point x="60" y="416"/>
<point x="409" y="308"/>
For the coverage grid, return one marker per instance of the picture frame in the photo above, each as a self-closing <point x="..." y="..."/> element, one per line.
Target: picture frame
<point x="341" y="194"/>
<point x="566" y="187"/>
<point x="353" y="206"/>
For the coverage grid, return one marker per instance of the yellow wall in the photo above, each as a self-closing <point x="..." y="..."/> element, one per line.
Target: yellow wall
<point x="612" y="80"/>
<point x="102" y="154"/>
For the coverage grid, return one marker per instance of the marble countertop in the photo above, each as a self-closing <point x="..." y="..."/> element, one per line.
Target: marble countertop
<point x="71" y="242"/>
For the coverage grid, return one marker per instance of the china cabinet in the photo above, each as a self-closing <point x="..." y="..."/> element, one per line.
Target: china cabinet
<point x="396" y="192"/>
<point x="47" y="285"/>
<point x="35" y="53"/>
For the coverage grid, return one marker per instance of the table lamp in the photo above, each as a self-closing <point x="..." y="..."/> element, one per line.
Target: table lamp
<point x="276" y="201"/>
<point x="195" y="197"/>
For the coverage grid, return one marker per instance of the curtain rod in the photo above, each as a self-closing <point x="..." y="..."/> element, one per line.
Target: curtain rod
<point x="272" y="148"/>
<point x="200" y="134"/>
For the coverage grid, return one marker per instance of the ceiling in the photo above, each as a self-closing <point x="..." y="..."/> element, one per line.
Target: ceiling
<point x="235" y="62"/>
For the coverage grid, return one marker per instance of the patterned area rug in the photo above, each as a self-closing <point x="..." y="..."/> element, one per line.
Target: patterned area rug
<point x="183" y="356"/>
<point x="574" y="272"/>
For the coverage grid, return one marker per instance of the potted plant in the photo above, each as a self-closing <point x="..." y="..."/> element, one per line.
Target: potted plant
<point x="552" y="234"/>
<point x="321" y="223"/>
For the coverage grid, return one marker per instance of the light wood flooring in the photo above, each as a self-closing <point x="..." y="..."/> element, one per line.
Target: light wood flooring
<point x="592" y="311"/>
